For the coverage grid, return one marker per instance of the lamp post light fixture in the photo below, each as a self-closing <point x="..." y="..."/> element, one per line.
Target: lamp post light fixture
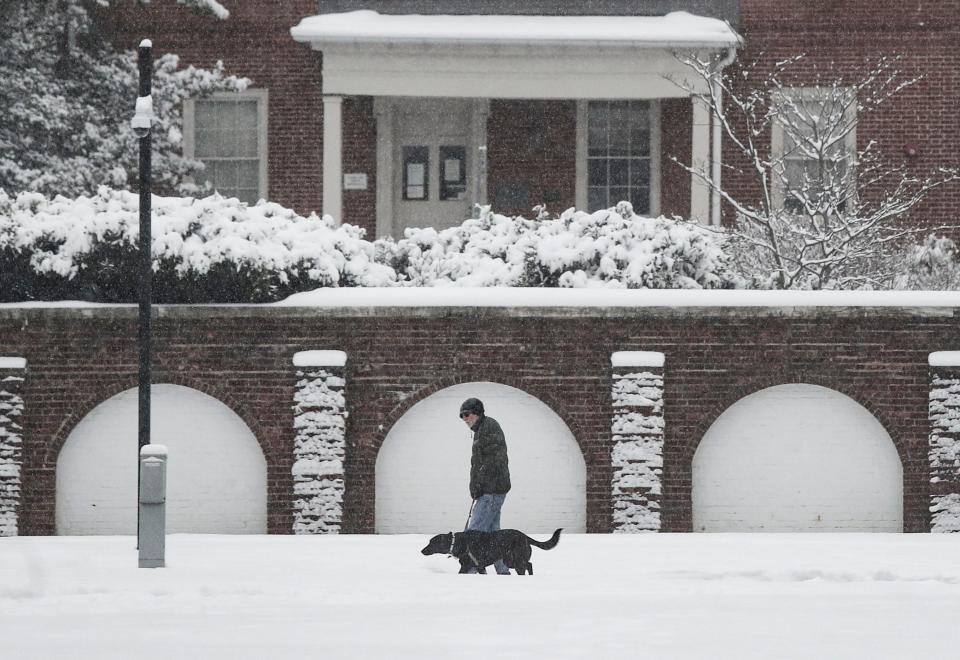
<point x="141" y="123"/>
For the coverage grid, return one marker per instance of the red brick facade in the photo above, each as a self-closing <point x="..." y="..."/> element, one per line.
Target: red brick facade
<point x="532" y="142"/>
<point x="76" y="359"/>
<point x="841" y="38"/>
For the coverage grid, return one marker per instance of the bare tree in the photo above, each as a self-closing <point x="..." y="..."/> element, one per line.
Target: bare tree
<point x="827" y="212"/>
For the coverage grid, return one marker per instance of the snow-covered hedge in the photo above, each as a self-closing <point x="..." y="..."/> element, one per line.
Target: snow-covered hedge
<point x="204" y="250"/>
<point x="221" y="250"/>
<point x="613" y="248"/>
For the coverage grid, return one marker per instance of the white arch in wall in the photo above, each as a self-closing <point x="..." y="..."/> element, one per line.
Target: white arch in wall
<point x="216" y="477"/>
<point x="423" y="468"/>
<point x="797" y="458"/>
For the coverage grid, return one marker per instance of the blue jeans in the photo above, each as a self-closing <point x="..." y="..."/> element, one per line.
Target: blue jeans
<point x="485" y="517"/>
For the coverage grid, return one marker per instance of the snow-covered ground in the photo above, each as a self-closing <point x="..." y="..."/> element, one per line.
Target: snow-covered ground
<point x="829" y="596"/>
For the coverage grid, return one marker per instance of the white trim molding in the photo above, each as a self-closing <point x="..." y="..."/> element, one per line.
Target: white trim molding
<point x="506" y="71"/>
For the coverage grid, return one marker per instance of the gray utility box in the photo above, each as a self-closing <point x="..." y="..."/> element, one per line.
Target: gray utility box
<point x="152" y="530"/>
<point x="153" y="480"/>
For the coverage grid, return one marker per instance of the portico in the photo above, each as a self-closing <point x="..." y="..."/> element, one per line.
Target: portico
<point x="433" y="80"/>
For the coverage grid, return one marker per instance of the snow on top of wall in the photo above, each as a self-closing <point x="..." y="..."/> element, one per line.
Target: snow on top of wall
<point x="319" y="359"/>
<point x="637" y="359"/>
<point x="13" y="363"/>
<point x="945" y="359"/>
<point x="675" y="29"/>
<point x="603" y="297"/>
<point x="544" y="297"/>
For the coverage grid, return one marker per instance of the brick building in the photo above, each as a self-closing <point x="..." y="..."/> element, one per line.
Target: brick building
<point x="410" y="111"/>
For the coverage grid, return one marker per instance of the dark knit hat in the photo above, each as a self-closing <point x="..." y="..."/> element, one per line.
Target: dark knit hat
<point x="472" y="405"/>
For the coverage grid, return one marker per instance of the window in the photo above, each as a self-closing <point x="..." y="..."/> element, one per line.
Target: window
<point x="228" y="133"/>
<point x="416" y="168"/>
<point x="453" y="173"/>
<point x="814" y="147"/>
<point x="618" y="154"/>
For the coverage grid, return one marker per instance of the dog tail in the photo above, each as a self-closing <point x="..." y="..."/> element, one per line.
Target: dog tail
<point x="547" y="545"/>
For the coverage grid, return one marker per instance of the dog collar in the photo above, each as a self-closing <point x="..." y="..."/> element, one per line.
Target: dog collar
<point x="453" y="539"/>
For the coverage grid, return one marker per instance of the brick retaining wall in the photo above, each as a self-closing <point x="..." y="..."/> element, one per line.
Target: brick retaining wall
<point x="397" y="356"/>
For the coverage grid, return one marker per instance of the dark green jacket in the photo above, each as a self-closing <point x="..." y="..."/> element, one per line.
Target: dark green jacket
<point x="489" y="472"/>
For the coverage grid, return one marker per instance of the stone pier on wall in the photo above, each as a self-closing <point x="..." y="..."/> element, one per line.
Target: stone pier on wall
<point x="637" y="429"/>
<point x="944" y="450"/>
<point x="11" y="441"/>
<point x="320" y="414"/>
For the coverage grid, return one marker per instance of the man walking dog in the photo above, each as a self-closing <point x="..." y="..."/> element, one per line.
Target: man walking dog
<point x="489" y="471"/>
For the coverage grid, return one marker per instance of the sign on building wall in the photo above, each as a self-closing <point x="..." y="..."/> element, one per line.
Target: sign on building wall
<point x="355" y="181"/>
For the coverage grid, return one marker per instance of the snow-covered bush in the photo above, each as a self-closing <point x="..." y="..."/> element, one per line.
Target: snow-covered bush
<point x="614" y="248"/>
<point x="205" y="250"/>
<point x="216" y="249"/>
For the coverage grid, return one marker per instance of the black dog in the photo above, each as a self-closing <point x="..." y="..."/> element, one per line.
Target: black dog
<point x="481" y="549"/>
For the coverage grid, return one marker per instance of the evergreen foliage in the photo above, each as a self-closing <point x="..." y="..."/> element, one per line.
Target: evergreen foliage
<point x="67" y="98"/>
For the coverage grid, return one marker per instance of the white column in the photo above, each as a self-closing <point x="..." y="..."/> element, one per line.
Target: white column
<point x="478" y="129"/>
<point x="580" y="191"/>
<point x="716" y="155"/>
<point x="383" y="109"/>
<point x="699" y="190"/>
<point x="333" y="157"/>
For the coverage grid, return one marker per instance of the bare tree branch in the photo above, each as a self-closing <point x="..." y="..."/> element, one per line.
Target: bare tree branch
<point x="827" y="214"/>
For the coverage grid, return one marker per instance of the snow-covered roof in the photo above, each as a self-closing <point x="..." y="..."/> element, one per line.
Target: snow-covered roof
<point x="676" y="29"/>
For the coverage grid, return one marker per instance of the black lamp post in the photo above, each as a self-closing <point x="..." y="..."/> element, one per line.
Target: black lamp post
<point x="141" y="122"/>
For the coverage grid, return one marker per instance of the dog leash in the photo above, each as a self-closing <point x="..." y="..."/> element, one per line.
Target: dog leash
<point x="469" y="553"/>
<point x="453" y="536"/>
<point x="473" y="503"/>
